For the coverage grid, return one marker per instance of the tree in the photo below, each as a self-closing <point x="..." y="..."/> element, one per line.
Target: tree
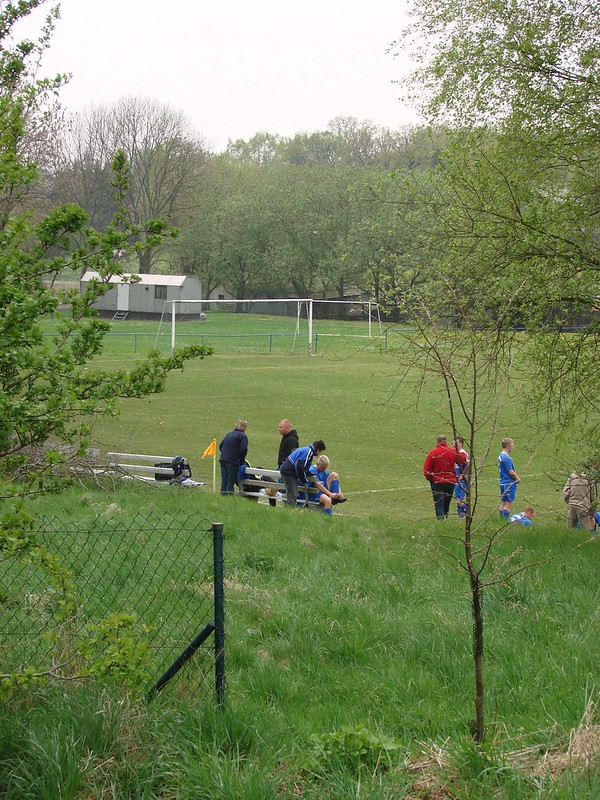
<point x="261" y="149"/>
<point x="50" y="389"/>
<point x="509" y="225"/>
<point x="197" y="251"/>
<point x="166" y="160"/>
<point x="522" y="82"/>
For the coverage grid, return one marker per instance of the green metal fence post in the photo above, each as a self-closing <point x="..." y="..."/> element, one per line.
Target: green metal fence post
<point x="217" y="529"/>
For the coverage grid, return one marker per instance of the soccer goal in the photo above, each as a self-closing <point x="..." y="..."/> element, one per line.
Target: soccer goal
<point x="281" y="323"/>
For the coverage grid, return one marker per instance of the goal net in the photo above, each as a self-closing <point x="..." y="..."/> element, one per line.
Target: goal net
<point x="264" y="324"/>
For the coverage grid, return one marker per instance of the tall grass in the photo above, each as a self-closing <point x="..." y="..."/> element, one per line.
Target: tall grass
<point x="333" y="624"/>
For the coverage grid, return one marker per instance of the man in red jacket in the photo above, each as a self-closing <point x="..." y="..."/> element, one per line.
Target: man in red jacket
<point x="439" y="469"/>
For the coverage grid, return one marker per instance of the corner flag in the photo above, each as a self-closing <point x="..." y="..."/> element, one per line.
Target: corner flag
<point x="211" y="450"/>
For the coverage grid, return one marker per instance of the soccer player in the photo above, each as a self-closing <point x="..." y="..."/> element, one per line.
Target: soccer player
<point x="460" y="490"/>
<point x="524" y="517"/>
<point x="508" y="478"/>
<point x="328" y="484"/>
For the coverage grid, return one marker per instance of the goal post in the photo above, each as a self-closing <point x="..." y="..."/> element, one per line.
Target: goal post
<point x="300" y="313"/>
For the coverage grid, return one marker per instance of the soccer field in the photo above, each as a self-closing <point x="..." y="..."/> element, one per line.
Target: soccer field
<point x="377" y="427"/>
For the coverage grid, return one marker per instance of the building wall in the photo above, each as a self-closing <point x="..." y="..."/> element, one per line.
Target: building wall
<point x="149" y="298"/>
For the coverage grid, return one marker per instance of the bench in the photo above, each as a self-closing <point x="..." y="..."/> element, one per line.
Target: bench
<point x="258" y="483"/>
<point x="153" y="469"/>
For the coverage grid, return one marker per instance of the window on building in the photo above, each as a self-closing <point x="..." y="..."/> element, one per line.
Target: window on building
<point x="160" y="292"/>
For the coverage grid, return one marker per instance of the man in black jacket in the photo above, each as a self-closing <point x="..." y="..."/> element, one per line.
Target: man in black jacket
<point x="289" y="441"/>
<point x="233" y="448"/>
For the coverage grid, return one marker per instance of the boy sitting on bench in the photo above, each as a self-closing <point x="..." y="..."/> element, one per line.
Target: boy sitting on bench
<point x="328" y="484"/>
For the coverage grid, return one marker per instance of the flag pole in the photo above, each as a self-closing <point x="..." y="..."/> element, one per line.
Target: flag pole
<point x="211" y="450"/>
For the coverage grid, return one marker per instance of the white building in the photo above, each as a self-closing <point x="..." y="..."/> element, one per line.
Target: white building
<point x="145" y="297"/>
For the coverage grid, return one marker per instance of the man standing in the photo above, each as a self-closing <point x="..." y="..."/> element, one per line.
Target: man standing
<point x="295" y="468"/>
<point x="508" y="478"/>
<point x="580" y="494"/>
<point x="440" y="470"/>
<point x="289" y="441"/>
<point x="233" y="448"/>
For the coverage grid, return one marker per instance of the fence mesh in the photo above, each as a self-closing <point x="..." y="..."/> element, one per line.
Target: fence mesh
<point x="158" y="568"/>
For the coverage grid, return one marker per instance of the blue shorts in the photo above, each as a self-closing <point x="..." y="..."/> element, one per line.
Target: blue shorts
<point x="460" y="491"/>
<point x="508" y="492"/>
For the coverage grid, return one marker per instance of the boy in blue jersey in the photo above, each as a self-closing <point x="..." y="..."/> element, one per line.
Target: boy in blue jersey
<point x="508" y="478"/>
<point x="328" y="484"/>
<point x="295" y="468"/>
<point x="524" y="517"/>
<point x="460" y="490"/>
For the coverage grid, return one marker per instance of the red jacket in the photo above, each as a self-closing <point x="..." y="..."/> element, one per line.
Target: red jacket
<point x="439" y="466"/>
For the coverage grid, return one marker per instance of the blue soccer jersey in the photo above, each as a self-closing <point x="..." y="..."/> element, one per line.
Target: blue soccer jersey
<point x="505" y="463"/>
<point x="521" y="518"/>
<point x="320" y="476"/>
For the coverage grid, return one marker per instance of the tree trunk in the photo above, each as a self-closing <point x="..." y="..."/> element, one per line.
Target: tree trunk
<point x="479" y="727"/>
<point x="145" y="259"/>
<point x="479" y="733"/>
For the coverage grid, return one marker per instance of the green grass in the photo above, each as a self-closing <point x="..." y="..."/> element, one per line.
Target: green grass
<point x="332" y="623"/>
<point x="245" y="333"/>
<point x="377" y="428"/>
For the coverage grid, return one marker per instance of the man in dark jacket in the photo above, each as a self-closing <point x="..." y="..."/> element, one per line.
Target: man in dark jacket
<point x="289" y="441"/>
<point x="295" y="468"/>
<point x="234" y="449"/>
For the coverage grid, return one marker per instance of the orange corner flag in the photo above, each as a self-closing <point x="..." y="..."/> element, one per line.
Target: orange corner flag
<point x="211" y="450"/>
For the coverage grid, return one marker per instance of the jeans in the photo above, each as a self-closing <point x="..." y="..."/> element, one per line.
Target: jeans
<point x="442" y="495"/>
<point x="229" y="473"/>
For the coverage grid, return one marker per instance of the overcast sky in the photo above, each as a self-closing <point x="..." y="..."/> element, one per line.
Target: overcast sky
<point x="236" y="67"/>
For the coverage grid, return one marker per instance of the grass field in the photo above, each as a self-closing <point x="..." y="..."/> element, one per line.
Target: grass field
<point x="362" y="619"/>
<point x="245" y="333"/>
<point x="377" y="427"/>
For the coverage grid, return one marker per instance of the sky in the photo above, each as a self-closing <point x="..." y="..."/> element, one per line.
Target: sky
<point x="235" y="68"/>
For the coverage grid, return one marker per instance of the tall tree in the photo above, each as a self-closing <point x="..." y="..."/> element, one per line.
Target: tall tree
<point x="508" y="222"/>
<point x="166" y="159"/>
<point x="522" y="196"/>
<point x="49" y="388"/>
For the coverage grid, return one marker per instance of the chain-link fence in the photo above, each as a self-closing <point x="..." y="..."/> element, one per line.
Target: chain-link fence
<point x="162" y="576"/>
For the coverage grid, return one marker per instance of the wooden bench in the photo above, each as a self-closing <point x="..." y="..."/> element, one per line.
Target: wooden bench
<point x="153" y="469"/>
<point x="259" y="483"/>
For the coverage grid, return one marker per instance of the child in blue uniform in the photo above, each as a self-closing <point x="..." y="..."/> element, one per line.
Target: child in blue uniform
<point x="460" y="490"/>
<point x="328" y="484"/>
<point x="524" y="517"/>
<point x="508" y="478"/>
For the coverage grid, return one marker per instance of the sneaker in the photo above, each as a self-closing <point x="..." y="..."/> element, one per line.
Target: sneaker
<point x="337" y="500"/>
